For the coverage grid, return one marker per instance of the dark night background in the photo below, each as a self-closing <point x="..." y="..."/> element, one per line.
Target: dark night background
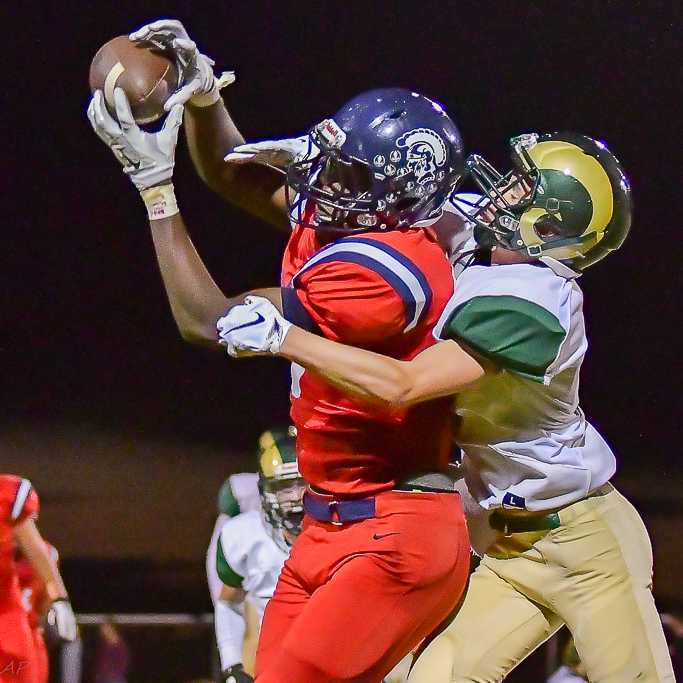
<point x="125" y="430"/>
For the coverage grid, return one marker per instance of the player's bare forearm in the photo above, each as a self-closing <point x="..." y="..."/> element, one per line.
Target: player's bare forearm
<point x="196" y="300"/>
<point x="211" y="134"/>
<point x="441" y="370"/>
<point x="33" y="547"/>
<point x="362" y="373"/>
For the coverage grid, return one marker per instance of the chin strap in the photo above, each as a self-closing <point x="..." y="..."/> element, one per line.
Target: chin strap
<point x="559" y="268"/>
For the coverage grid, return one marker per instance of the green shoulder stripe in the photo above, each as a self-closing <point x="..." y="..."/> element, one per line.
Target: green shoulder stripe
<point x="225" y="572"/>
<point x="227" y="503"/>
<point x="514" y="333"/>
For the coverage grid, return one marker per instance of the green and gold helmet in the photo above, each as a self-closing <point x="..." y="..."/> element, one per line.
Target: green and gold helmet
<point x="574" y="209"/>
<point x="280" y="485"/>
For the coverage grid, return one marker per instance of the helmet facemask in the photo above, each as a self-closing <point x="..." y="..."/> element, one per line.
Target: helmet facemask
<point x="338" y="186"/>
<point x="282" y="503"/>
<point x="505" y="196"/>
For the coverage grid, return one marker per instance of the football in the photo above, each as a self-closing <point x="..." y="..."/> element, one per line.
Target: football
<point x="147" y="74"/>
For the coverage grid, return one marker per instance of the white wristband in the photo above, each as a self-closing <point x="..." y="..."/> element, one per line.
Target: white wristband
<point x="160" y="202"/>
<point x="206" y="99"/>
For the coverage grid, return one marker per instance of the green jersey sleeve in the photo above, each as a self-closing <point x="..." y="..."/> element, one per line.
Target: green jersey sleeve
<point x="514" y="333"/>
<point x="225" y="572"/>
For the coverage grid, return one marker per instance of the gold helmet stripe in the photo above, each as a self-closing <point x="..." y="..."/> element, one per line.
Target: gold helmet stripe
<point x="559" y="155"/>
<point x="271" y="458"/>
<point x="526" y="225"/>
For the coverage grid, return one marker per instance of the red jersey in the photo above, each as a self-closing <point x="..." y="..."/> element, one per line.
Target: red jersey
<point x="32" y="587"/>
<point x="18" y="501"/>
<point x="382" y="291"/>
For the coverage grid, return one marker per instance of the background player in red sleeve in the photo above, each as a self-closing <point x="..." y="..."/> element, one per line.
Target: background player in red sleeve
<point x="18" y="512"/>
<point x="383" y="169"/>
<point x="36" y="604"/>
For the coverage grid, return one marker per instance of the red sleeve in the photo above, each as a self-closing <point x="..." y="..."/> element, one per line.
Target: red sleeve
<point x="18" y="500"/>
<point x="350" y="303"/>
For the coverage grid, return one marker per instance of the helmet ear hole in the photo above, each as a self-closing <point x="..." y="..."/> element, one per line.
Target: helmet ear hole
<point x="547" y="227"/>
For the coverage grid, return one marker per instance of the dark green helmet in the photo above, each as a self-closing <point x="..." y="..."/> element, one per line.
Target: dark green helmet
<point x="576" y="208"/>
<point x="277" y="454"/>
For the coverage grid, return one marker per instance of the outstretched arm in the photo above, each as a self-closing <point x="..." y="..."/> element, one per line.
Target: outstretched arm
<point x="60" y="615"/>
<point x="148" y="159"/>
<point x="441" y="370"/>
<point x="196" y="300"/>
<point x="257" y="189"/>
<point x="257" y="327"/>
<point x="36" y="551"/>
<point x="210" y="130"/>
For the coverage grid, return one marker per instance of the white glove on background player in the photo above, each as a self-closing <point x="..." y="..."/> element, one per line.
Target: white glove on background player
<point x="61" y="619"/>
<point x="200" y="86"/>
<point x="147" y="158"/>
<point x="254" y="327"/>
<point x="274" y="153"/>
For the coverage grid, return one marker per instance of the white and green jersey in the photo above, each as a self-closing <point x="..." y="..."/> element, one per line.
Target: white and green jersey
<point x="526" y="443"/>
<point x="244" y="556"/>
<point x="248" y="558"/>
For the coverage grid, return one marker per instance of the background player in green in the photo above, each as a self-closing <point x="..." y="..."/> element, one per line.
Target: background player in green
<point x="237" y="495"/>
<point x="260" y="518"/>
<point x="568" y="548"/>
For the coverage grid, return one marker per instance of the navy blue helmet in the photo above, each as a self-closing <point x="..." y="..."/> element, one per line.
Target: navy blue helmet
<point x="388" y="159"/>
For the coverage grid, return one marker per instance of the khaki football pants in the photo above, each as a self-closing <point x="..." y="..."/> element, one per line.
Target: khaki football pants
<point x="399" y="674"/>
<point x="593" y="573"/>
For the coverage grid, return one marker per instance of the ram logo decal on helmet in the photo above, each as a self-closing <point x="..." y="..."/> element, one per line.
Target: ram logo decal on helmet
<point x="426" y="152"/>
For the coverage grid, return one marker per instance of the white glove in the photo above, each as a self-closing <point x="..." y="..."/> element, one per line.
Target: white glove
<point x="254" y="327"/>
<point x="200" y="86"/>
<point x="61" y="618"/>
<point x="147" y="158"/>
<point x="274" y="153"/>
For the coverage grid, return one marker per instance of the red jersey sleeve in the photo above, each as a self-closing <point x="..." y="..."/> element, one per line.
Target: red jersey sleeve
<point x="360" y="291"/>
<point x="350" y="303"/>
<point x="18" y="499"/>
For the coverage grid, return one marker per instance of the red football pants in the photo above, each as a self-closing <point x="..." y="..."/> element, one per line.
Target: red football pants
<point x="352" y="600"/>
<point x="16" y="647"/>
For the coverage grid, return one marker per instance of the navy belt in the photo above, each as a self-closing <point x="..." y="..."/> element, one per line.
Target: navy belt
<point x="325" y="508"/>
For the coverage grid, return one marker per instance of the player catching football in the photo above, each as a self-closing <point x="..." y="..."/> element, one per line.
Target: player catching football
<point x="569" y="548"/>
<point x="19" y="661"/>
<point x="363" y="581"/>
